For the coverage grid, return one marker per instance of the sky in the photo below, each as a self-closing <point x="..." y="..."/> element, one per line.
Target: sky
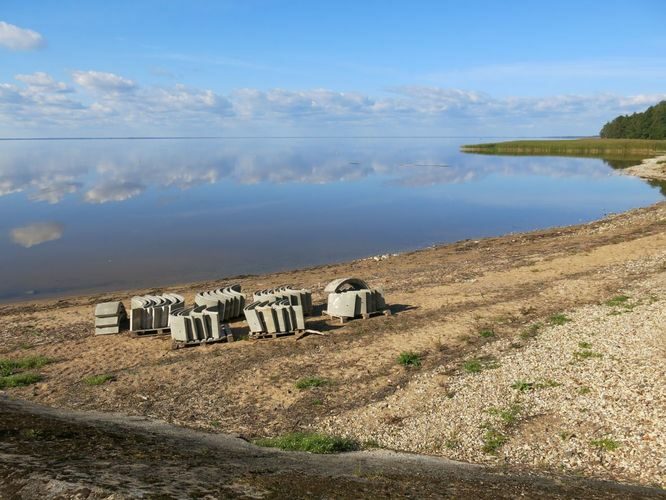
<point x="318" y="68"/>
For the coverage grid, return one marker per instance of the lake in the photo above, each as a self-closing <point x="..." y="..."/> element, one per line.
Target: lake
<point x="97" y="215"/>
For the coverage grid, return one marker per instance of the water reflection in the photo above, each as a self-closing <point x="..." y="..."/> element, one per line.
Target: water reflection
<point x="107" y="214"/>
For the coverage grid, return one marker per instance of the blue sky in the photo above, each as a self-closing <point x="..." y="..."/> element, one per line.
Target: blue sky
<point x="315" y="68"/>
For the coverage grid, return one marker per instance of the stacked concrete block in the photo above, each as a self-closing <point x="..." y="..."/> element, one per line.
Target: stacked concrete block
<point x="229" y="299"/>
<point x="109" y="317"/>
<point x="152" y="312"/>
<point x="352" y="297"/>
<point x="296" y="297"/>
<point x="199" y="324"/>
<point x="274" y="317"/>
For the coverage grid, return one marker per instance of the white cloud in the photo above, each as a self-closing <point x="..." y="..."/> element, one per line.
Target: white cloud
<point x="36" y="234"/>
<point x="113" y="191"/>
<point x="103" y="82"/>
<point x="111" y="104"/>
<point x="15" y="38"/>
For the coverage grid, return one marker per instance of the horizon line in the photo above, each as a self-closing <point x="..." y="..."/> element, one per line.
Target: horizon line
<point x="112" y="138"/>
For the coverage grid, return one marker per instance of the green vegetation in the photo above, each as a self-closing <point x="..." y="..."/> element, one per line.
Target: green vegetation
<point x="487" y="333"/>
<point x="508" y="415"/>
<point x="98" y="379"/>
<point x="479" y="364"/>
<point x="532" y="331"/>
<point x="584" y="390"/>
<point x="584" y="345"/>
<point x="493" y="440"/>
<point x="309" y="382"/>
<point x="311" y="442"/>
<point x="650" y="124"/>
<point x="13" y="374"/>
<point x="606" y="444"/>
<point x="635" y="149"/>
<point x="19" y="380"/>
<point x="619" y="300"/>
<point x="586" y="354"/>
<point x="558" y="319"/>
<point x="409" y="358"/>
<point x="521" y="385"/>
<point x="10" y="366"/>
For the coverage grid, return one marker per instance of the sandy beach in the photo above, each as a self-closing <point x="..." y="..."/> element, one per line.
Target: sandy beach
<point x="564" y="329"/>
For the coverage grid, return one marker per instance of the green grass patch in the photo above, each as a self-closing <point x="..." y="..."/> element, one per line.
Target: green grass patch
<point x="310" y="382"/>
<point x="619" y="300"/>
<point x="12" y="366"/>
<point x="583" y="390"/>
<point x="584" y="345"/>
<point x="486" y="334"/>
<point x="586" y="354"/>
<point x="310" y="442"/>
<point x="508" y="415"/>
<point x="19" y="380"/>
<point x="98" y="379"/>
<point x="531" y="331"/>
<point x="606" y="444"/>
<point x="523" y="386"/>
<point x="558" y="319"/>
<point x="409" y="358"/>
<point x="477" y="365"/>
<point x="493" y="440"/>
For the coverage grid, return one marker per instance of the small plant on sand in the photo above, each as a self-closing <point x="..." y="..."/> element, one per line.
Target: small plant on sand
<point x="493" y="440"/>
<point x="477" y="365"/>
<point x="98" y="379"/>
<point x="531" y="331"/>
<point x="584" y="345"/>
<point x="605" y="444"/>
<point x="558" y="319"/>
<point x="521" y="385"/>
<point x="508" y="415"/>
<point x="311" y="442"/>
<point x="409" y="358"/>
<point x="486" y="333"/>
<point x="310" y="382"/>
<point x="586" y="354"/>
<point x="584" y="390"/>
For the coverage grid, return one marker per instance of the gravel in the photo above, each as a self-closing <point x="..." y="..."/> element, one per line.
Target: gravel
<point x="587" y="396"/>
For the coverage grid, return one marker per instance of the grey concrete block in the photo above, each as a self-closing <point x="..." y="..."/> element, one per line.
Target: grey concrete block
<point x="152" y="312"/>
<point x="199" y="324"/>
<point x="274" y="317"/>
<point x="296" y="297"/>
<point x="109" y="317"/>
<point x="347" y="299"/>
<point x="229" y="299"/>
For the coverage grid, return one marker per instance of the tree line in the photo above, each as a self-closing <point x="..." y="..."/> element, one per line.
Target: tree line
<point x="650" y="124"/>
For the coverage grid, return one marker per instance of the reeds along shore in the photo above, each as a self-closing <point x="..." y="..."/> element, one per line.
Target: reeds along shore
<point x="630" y="148"/>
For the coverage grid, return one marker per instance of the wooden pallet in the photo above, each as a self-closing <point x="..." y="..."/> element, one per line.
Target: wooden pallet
<point x="344" y="319"/>
<point x="156" y="332"/>
<point x="261" y="336"/>
<point x="177" y="344"/>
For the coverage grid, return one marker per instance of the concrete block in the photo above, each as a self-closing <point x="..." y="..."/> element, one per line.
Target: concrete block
<point x="270" y="317"/>
<point x="199" y="324"/>
<point x="296" y="297"/>
<point x="229" y="299"/>
<point x="152" y="312"/>
<point x="352" y="297"/>
<point x="109" y="317"/>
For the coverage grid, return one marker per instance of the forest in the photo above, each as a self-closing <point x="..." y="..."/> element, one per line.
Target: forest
<point x="649" y="124"/>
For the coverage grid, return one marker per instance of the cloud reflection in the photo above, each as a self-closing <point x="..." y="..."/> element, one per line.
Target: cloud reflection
<point x="109" y="171"/>
<point x="36" y="234"/>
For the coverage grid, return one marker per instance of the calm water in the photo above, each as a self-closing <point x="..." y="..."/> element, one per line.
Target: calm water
<point x="108" y="214"/>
